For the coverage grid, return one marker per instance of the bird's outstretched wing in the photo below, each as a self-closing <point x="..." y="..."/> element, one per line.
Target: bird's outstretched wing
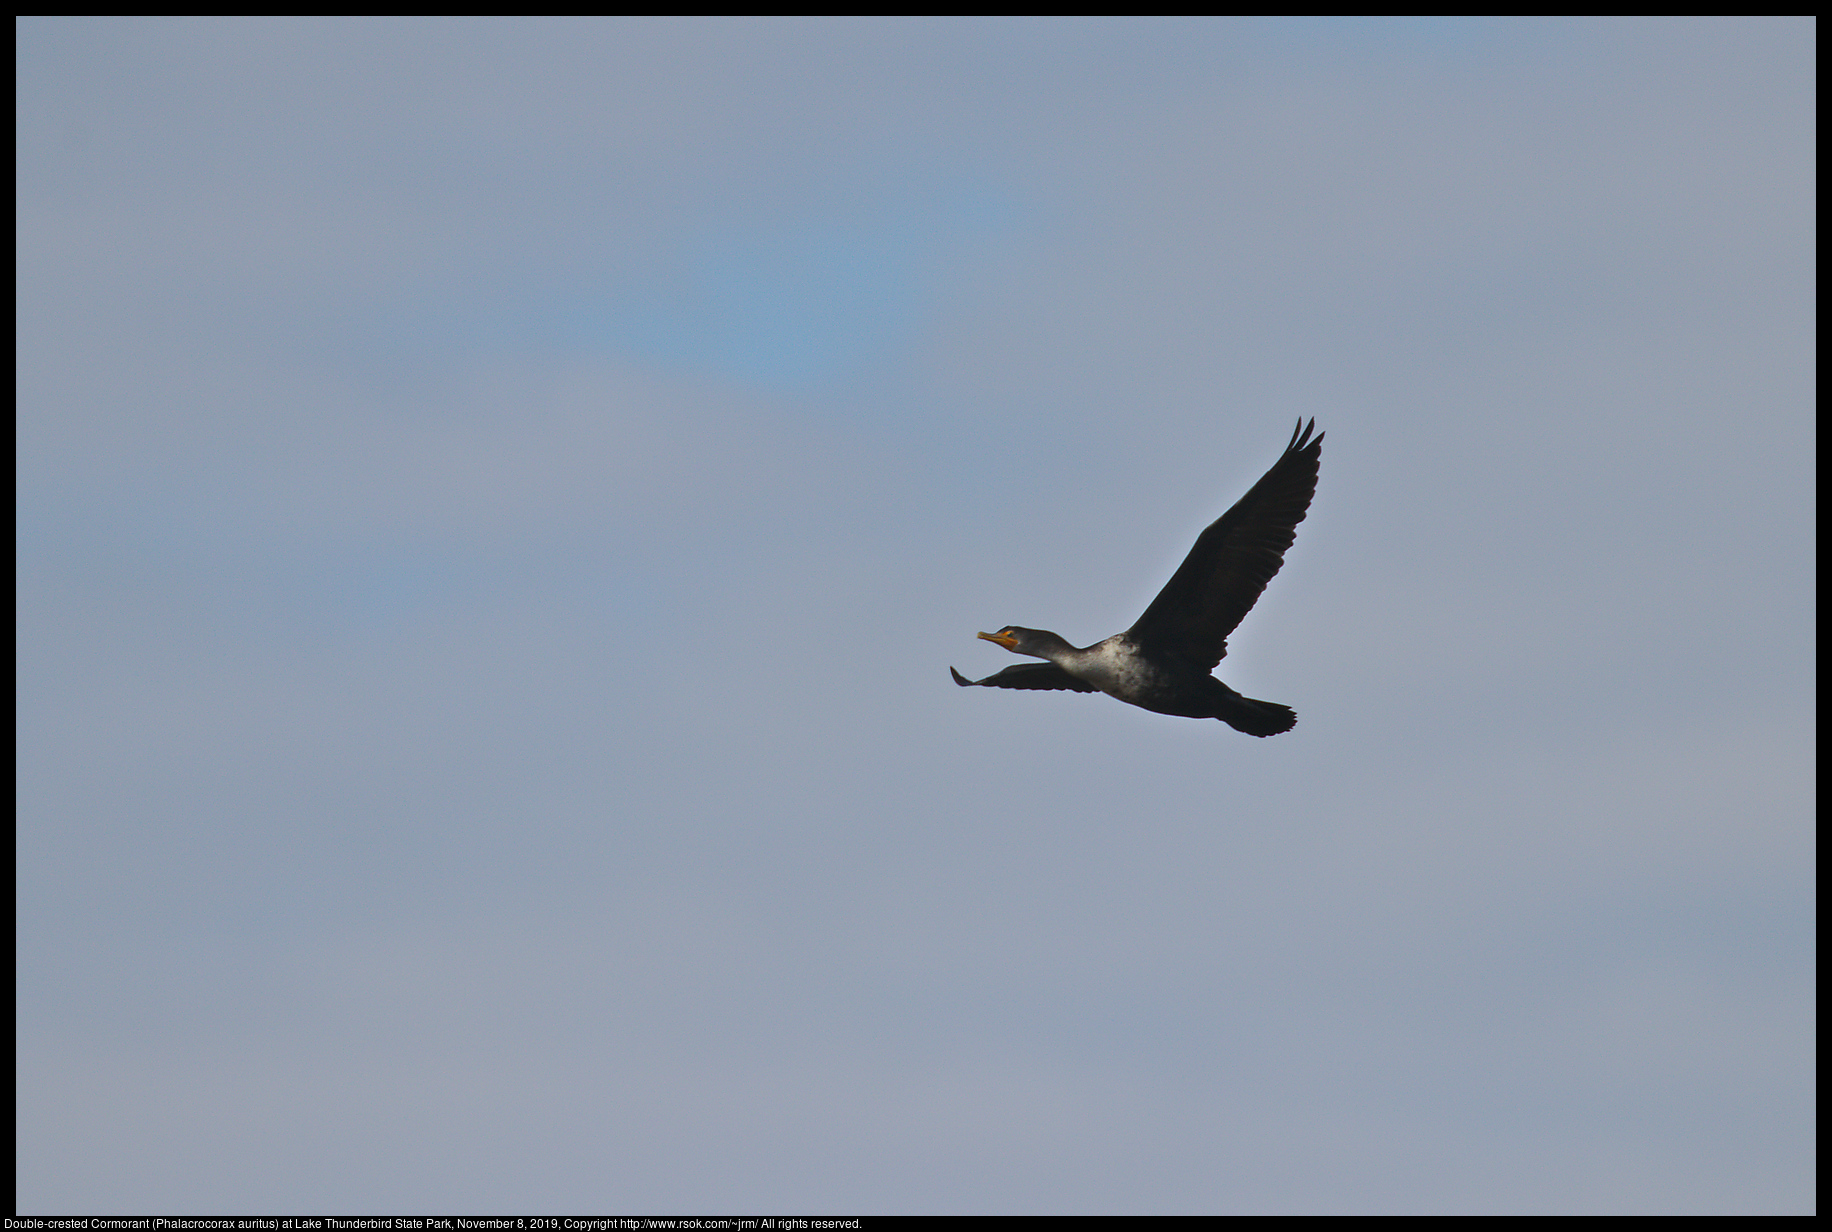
<point x="1029" y="676"/>
<point x="1224" y="574"/>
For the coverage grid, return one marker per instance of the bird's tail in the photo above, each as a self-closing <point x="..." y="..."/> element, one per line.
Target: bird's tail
<point x="1256" y="718"/>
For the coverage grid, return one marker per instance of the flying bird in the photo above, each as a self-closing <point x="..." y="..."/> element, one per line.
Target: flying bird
<point x="1163" y="662"/>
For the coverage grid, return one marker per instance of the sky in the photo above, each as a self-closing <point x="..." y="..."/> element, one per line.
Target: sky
<point x="499" y="499"/>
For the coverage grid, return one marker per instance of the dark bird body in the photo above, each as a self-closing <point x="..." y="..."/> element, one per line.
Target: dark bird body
<point x="1163" y="662"/>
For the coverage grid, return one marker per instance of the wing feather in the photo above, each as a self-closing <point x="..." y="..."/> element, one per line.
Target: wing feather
<point x="1030" y="676"/>
<point x="1227" y="571"/>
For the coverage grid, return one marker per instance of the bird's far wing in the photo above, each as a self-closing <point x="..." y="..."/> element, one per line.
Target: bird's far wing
<point x="1224" y="574"/>
<point x="1029" y="676"/>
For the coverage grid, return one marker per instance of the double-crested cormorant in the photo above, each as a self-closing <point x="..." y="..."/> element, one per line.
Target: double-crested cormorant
<point x="1163" y="662"/>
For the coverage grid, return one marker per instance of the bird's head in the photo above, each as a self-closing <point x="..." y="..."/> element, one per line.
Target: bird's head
<point x="1034" y="642"/>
